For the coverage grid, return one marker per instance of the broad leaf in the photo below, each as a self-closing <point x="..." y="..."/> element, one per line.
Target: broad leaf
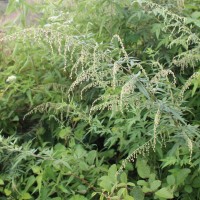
<point x="164" y="193"/>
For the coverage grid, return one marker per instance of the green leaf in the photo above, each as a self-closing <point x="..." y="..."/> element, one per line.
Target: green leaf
<point x="164" y="193"/>
<point x="155" y="185"/>
<point x="137" y="193"/>
<point x="27" y="64"/>
<point x="112" y="171"/>
<point x="170" y="160"/>
<point x="196" y="182"/>
<point x="44" y="192"/>
<point x="182" y="175"/>
<point x="196" y="85"/>
<point x="195" y="15"/>
<point x="91" y="157"/>
<point x="197" y="23"/>
<point x="176" y="114"/>
<point x="146" y="189"/>
<point x="30" y="182"/>
<point x="82" y="189"/>
<point x="63" y="189"/>
<point x="30" y="98"/>
<point x="142" y="168"/>
<point x="83" y="166"/>
<point x="103" y="22"/>
<point x="142" y="183"/>
<point x="121" y="192"/>
<point x="106" y="183"/>
<point x="12" y="6"/>
<point x="7" y="192"/>
<point x="142" y="89"/>
<point x="36" y="169"/>
<point x="39" y="182"/>
<point x="49" y="173"/>
<point x="123" y="177"/>
<point x="156" y="28"/>
<point x="127" y="197"/>
<point x="64" y="133"/>
<point x="131" y="184"/>
<point x="170" y="180"/>
<point x="26" y="195"/>
<point x="121" y="185"/>
<point x="114" y="198"/>
<point x="15" y="119"/>
<point x="152" y="177"/>
<point x="78" y="197"/>
<point x="188" y="188"/>
<point x="1" y="182"/>
<point x="80" y="151"/>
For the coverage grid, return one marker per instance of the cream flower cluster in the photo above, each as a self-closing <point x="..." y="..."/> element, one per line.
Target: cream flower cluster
<point x="11" y="79"/>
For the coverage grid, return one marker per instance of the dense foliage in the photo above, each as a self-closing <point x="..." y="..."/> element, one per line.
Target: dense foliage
<point x="99" y="99"/>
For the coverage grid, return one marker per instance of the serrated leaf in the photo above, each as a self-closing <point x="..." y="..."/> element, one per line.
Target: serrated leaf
<point x="44" y="192"/>
<point x="64" y="132"/>
<point x="80" y="151"/>
<point x="156" y="28"/>
<point x="170" y="160"/>
<point x="142" y="89"/>
<point x="30" y="182"/>
<point x="63" y="189"/>
<point x="49" y="173"/>
<point x="39" y="182"/>
<point x="83" y="166"/>
<point x="91" y="157"/>
<point x="36" y="169"/>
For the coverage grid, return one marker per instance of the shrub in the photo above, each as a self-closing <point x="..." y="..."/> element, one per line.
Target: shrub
<point x="95" y="105"/>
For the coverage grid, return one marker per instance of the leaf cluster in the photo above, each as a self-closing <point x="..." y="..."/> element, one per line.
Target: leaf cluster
<point x="99" y="100"/>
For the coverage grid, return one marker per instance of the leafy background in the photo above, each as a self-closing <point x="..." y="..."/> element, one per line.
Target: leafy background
<point x="104" y="103"/>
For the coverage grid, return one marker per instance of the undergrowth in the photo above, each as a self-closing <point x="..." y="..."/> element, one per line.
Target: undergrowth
<point x="99" y="100"/>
